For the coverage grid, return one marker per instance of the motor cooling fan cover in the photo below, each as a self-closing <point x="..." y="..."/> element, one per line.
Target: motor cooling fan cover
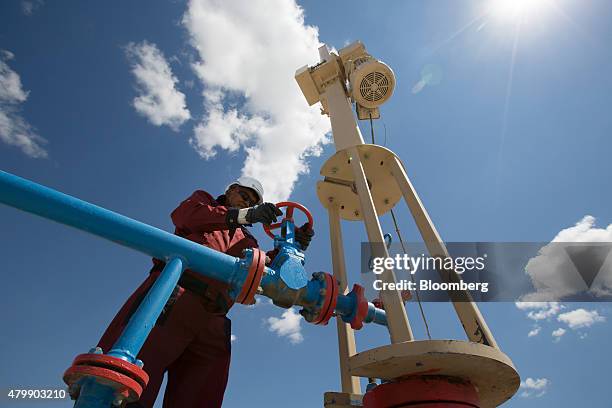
<point x="372" y="83"/>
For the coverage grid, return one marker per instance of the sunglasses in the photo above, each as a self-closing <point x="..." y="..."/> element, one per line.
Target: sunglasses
<point x="246" y="197"/>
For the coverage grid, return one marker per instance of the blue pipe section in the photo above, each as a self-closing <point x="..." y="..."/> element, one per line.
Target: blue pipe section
<point x="141" y="323"/>
<point x="94" y="394"/>
<point x="40" y="200"/>
<point x="375" y="315"/>
<point x="345" y="306"/>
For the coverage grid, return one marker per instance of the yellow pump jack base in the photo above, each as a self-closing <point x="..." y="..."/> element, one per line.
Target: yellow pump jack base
<point x="487" y="368"/>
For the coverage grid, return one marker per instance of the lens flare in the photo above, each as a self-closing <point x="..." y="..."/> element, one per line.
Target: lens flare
<point x="513" y="10"/>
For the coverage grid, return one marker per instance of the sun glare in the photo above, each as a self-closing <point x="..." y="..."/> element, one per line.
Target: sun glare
<point x="513" y="10"/>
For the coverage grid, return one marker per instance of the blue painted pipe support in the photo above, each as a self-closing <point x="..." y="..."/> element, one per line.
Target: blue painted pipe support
<point x="95" y="394"/>
<point x="141" y="323"/>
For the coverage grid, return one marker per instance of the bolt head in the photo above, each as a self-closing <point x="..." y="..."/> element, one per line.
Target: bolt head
<point x="139" y="363"/>
<point x="96" y="350"/>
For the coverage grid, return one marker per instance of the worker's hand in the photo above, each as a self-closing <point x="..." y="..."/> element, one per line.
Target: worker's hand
<point x="304" y="235"/>
<point x="265" y="213"/>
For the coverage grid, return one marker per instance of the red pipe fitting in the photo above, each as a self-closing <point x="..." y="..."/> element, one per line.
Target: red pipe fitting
<point x="253" y="279"/>
<point x="330" y="301"/>
<point x="361" y="307"/>
<point x="126" y="378"/>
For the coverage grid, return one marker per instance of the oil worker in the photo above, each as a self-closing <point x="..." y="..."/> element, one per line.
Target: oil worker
<point x="191" y="338"/>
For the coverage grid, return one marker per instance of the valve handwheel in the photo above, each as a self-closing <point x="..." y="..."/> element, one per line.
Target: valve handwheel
<point x="288" y="216"/>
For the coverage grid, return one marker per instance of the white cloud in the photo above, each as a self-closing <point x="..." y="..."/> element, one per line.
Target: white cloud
<point x="581" y="318"/>
<point x="248" y="55"/>
<point x="534" y="387"/>
<point x="585" y="231"/>
<point x="14" y="129"/>
<point x="258" y="302"/>
<point x="6" y="55"/>
<point x="554" y="276"/>
<point x="540" y="310"/>
<point x="29" y="7"/>
<point x="233" y="338"/>
<point x="558" y="333"/>
<point x="575" y="319"/>
<point x="159" y="100"/>
<point x="288" y="325"/>
<point x="534" y="332"/>
<point x="552" y="273"/>
<point x="10" y="82"/>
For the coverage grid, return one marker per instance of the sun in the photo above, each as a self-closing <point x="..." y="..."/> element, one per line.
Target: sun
<point x="515" y="10"/>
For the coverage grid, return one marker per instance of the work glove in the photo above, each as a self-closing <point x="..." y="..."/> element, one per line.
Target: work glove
<point x="303" y="235"/>
<point x="265" y="213"/>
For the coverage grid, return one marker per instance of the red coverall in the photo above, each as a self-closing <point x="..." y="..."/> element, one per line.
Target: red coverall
<point x="191" y="339"/>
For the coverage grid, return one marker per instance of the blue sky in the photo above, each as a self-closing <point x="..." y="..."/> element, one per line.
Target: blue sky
<point x="509" y="142"/>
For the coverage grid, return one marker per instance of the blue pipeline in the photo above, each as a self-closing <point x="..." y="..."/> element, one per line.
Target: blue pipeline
<point x="46" y="202"/>
<point x="40" y="200"/>
<point x="142" y="321"/>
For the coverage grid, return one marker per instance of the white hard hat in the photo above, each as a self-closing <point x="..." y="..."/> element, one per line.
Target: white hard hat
<point x="253" y="184"/>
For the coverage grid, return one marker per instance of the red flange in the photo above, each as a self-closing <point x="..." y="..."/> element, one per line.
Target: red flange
<point x="330" y="301"/>
<point x="424" y="392"/>
<point x="362" y="307"/>
<point x="114" y="363"/>
<point x="127" y="379"/>
<point x="123" y="385"/>
<point x="253" y="279"/>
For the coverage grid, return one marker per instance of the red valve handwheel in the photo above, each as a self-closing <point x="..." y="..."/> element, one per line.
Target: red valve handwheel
<point x="288" y="216"/>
